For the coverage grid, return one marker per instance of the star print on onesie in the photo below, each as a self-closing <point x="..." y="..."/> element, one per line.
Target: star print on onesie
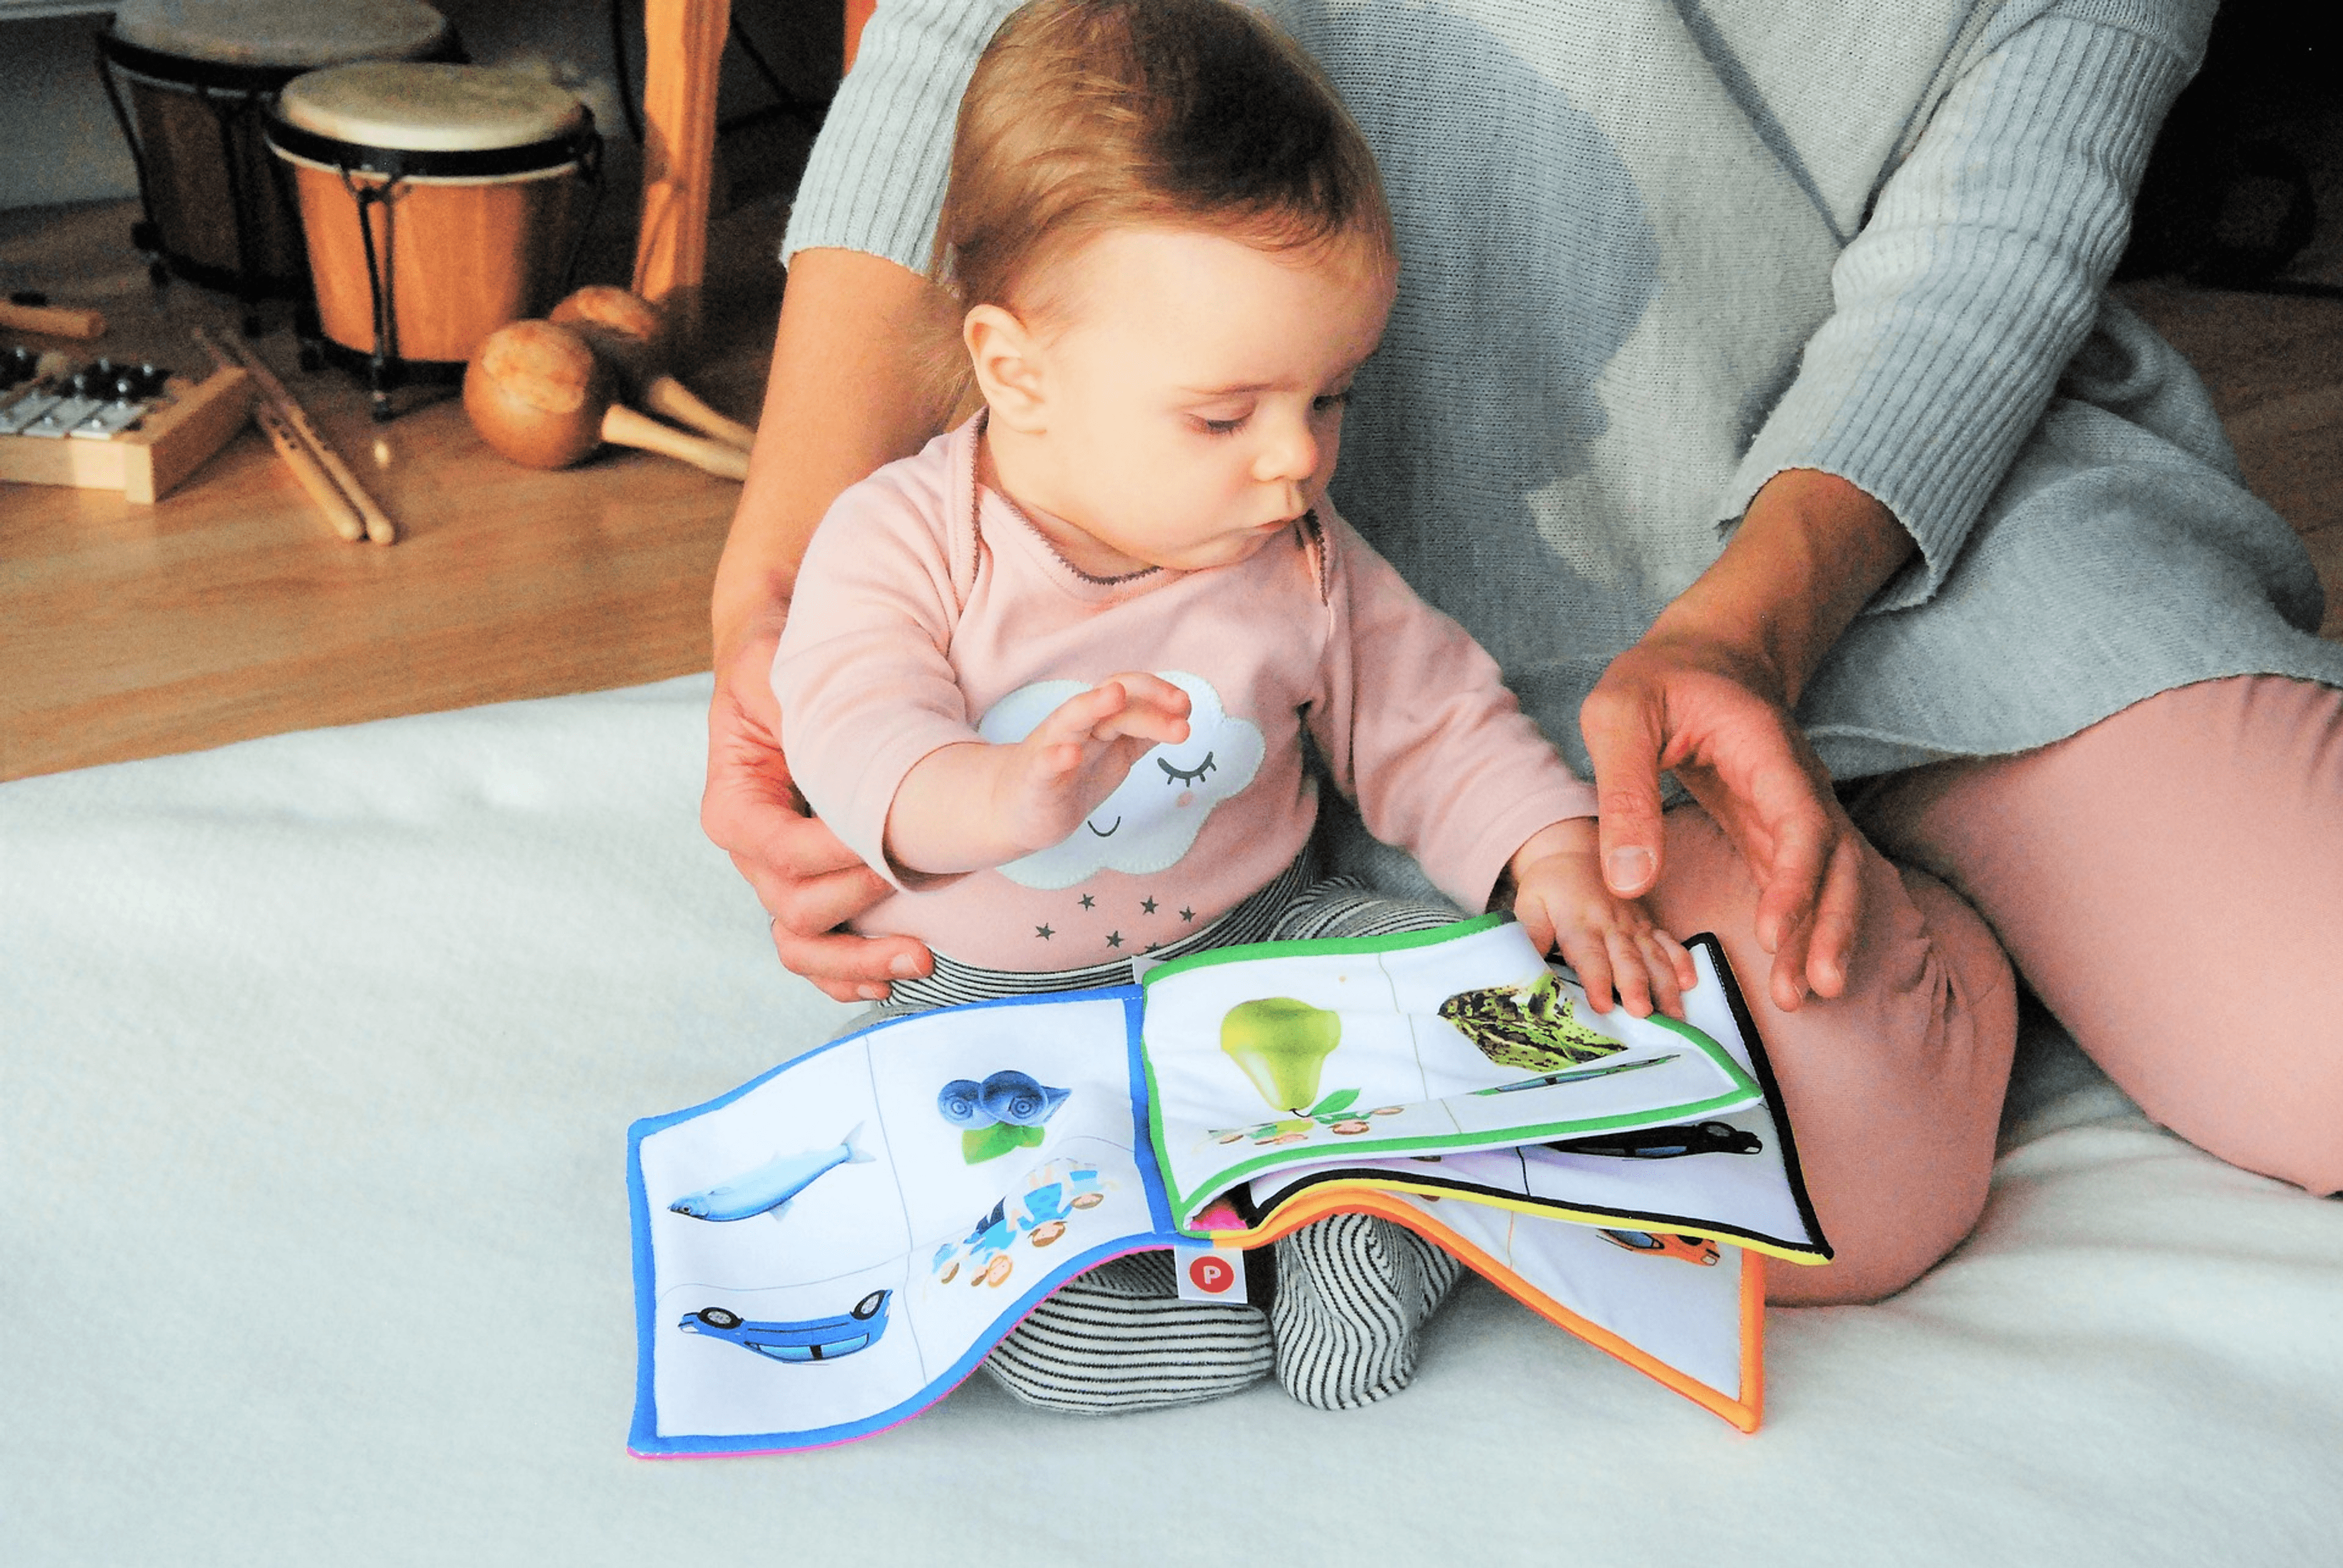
<point x="1148" y="924"/>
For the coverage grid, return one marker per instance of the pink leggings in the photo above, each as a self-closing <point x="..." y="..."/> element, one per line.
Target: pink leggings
<point x="2169" y="881"/>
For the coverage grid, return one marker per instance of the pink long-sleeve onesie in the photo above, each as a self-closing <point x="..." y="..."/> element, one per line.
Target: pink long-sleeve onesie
<point x="929" y="612"/>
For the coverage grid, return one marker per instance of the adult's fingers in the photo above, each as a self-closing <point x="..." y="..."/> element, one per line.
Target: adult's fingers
<point x="1836" y="912"/>
<point x="848" y="968"/>
<point x="812" y="905"/>
<point x="1788" y="847"/>
<point x="1625" y="727"/>
<point x="1816" y="941"/>
<point x="807" y="879"/>
<point x="1805" y="855"/>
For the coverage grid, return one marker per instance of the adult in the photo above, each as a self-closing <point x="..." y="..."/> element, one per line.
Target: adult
<point x="1754" y="395"/>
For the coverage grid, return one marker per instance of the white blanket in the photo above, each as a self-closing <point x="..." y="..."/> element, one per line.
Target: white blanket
<point x="317" y="1059"/>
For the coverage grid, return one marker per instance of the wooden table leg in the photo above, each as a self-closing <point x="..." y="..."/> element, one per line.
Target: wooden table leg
<point x="683" y="50"/>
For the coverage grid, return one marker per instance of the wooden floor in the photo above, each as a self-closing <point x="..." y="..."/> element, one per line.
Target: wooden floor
<point x="227" y="611"/>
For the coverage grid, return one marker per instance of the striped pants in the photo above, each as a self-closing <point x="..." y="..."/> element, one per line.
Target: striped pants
<point x="1351" y="1293"/>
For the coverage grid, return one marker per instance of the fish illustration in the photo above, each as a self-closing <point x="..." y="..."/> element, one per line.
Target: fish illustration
<point x="770" y="1187"/>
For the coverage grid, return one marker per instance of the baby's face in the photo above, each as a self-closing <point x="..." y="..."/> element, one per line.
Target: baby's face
<point x="1192" y="393"/>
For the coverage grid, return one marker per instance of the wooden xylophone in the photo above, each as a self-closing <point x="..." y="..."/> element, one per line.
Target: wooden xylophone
<point x="103" y="425"/>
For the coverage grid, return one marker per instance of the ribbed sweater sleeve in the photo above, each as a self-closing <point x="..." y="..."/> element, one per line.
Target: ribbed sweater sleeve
<point x="1980" y="272"/>
<point x="875" y="183"/>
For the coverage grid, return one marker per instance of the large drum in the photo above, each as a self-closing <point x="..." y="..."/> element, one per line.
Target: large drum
<point x="440" y="202"/>
<point x="200" y="77"/>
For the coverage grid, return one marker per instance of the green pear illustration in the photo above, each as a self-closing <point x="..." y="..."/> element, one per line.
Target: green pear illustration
<point x="1281" y="1043"/>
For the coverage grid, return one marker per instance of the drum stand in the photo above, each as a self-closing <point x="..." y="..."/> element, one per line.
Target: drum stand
<point x="236" y="98"/>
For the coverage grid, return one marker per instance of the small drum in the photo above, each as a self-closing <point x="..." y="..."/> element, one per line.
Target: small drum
<point x="201" y="75"/>
<point x="440" y="202"/>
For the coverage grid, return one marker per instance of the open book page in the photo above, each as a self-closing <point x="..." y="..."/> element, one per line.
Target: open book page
<point x="834" y="1246"/>
<point x="1732" y="1177"/>
<point x="1687" y="1311"/>
<point x="1275" y="1055"/>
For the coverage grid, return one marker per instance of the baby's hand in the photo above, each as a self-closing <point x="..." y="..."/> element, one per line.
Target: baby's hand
<point x="1561" y="900"/>
<point x="1076" y="757"/>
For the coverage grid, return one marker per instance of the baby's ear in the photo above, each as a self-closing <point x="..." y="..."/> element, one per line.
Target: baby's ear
<point x="1007" y="358"/>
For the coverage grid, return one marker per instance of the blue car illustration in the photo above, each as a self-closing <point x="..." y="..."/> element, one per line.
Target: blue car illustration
<point x="811" y="1340"/>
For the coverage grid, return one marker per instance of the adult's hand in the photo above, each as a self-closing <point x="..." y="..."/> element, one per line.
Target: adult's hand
<point x="1698" y="709"/>
<point x="846" y="395"/>
<point x="1707" y="694"/>
<point x="809" y="882"/>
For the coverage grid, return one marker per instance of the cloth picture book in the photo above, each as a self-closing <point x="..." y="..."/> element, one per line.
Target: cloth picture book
<point x="831" y="1248"/>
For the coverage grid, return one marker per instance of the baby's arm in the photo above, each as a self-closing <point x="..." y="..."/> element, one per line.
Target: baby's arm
<point x="965" y="807"/>
<point x="1560" y="897"/>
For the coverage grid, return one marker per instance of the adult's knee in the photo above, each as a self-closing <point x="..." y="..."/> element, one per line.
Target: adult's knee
<point x="1894" y="1088"/>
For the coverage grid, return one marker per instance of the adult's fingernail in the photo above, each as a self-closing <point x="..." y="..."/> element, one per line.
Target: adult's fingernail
<point x="904" y="968"/>
<point x="1627" y="867"/>
<point x="871" y="992"/>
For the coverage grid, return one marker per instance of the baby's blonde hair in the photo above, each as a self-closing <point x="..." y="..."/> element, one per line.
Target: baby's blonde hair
<point x="1086" y="116"/>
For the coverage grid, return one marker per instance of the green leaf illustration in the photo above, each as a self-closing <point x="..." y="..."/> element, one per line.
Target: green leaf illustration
<point x="978" y="1144"/>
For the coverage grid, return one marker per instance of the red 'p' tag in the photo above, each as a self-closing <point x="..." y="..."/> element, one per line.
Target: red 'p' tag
<point x="1209" y="1273"/>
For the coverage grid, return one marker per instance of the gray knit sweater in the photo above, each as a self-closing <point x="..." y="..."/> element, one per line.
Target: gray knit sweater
<point x="1656" y="251"/>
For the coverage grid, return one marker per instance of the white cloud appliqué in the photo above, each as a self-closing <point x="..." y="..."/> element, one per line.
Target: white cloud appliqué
<point x="1153" y="815"/>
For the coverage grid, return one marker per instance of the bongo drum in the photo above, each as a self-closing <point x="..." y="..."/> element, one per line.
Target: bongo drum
<point x="200" y="75"/>
<point x="439" y="202"/>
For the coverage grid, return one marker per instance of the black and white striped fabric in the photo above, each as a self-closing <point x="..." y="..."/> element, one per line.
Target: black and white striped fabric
<point x="1353" y="1292"/>
<point x="1120" y="1339"/>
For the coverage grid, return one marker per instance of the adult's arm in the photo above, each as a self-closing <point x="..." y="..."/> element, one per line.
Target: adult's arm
<point x="844" y="398"/>
<point x="1977" y="276"/>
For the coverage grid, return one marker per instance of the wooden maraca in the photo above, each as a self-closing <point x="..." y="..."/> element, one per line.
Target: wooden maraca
<point x="629" y="332"/>
<point x="539" y="394"/>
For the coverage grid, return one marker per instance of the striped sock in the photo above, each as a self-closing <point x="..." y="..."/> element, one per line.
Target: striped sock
<point x="1353" y="1292"/>
<point x="1120" y="1339"/>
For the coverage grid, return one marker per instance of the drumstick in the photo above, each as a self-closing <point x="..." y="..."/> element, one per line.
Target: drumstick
<point x="628" y="331"/>
<point x="332" y="504"/>
<point x="378" y="526"/>
<point x="55" y="320"/>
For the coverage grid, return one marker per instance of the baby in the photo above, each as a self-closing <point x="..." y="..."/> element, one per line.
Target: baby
<point x="1057" y="678"/>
